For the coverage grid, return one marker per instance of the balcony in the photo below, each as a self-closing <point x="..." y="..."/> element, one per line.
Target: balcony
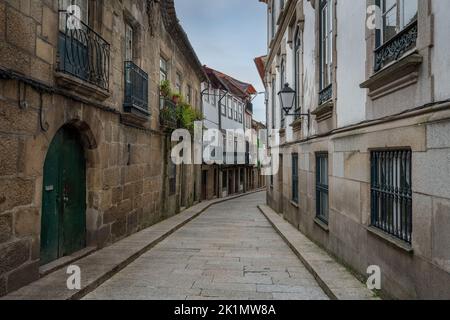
<point x="136" y="90"/>
<point x="168" y="114"/>
<point x="396" y="47"/>
<point x="83" y="58"/>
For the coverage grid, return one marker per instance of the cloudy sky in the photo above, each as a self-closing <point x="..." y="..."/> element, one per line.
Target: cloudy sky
<point x="227" y="35"/>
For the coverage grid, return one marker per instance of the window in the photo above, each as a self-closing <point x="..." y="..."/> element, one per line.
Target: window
<point x="273" y="19"/>
<point x="282" y="82"/>
<point x="326" y="42"/>
<point x="128" y="42"/>
<point x="189" y="94"/>
<point x="298" y="72"/>
<point x="172" y="178"/>
<point x="65" y="5"/>
<point x="322" y="187"/>
<point x="391" y="193"/>
<point x="235" y="109"/>
<point x="295" y="190"/>
<point x="395" y="16"/>
<point x="208" y="94"/>
<point x="213" y="97"/>
<point x="178" y="83"/>
<point x="241" y="112"/>
<point x="273" y="103"/>
<point x="163" y="69"/>
<point x="230" y="108"/>
<point x="223" y="105"/>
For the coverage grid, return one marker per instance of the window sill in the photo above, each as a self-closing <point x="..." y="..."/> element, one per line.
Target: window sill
<point x="295" y="204"/>
<point x="134" y="120"/>
<point x="324" y="111"/>
<point x="322" y="225"/>
<point x="391" y="240"/>
<point x="396" y="76"/>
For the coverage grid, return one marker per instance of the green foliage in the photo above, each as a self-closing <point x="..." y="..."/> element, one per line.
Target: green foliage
<point x="178" y="113"/>
<point x="165" y="89"/>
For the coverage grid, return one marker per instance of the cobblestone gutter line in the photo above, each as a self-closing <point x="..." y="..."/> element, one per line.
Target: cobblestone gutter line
<point x="105" y="263"/>
<point x="337" y="282"/>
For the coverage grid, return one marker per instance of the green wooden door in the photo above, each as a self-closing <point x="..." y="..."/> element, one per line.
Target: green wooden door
<point x="63" y="229"/>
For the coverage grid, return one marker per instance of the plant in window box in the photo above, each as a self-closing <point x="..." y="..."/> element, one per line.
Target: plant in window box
<point x="176" y="98"/>
<point x="165" y="89"/>
<point x="187" y="115"/>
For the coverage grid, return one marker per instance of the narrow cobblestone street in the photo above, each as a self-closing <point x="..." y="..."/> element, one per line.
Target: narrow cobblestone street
<point x="229" y="252"/>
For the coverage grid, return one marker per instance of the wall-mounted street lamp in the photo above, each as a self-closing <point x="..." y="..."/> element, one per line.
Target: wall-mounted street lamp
<point x="287" y="98"/>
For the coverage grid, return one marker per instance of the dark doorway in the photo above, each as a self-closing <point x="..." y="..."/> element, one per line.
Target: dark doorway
<point x="63" y="228"/>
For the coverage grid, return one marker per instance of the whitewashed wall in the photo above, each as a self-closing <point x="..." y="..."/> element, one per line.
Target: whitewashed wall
<point x="441" y="50"/>
<point x="351" y="62"/>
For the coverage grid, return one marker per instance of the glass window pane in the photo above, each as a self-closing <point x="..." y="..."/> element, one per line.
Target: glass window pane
<point x="409" y="12"/>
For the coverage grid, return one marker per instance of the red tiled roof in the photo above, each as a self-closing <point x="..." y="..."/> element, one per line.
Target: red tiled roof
<point x="261" y="66"/>
<point x="226" y="82"/>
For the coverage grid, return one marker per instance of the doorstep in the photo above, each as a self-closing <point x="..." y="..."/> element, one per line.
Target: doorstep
<point x="337" y="282"/>
<point x="101" y="265"/>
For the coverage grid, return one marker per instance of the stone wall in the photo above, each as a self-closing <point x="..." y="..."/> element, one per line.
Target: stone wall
<point x="420" y="273"/>
<point x="126" y="163"/>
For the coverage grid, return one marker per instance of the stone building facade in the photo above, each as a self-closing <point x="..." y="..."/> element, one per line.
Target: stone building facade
<point x="83" y="154"/>
<point x="366" y="175"/>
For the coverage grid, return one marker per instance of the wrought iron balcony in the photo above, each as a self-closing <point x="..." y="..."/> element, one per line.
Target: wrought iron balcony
<point x="83" y="53"/>
<point x="136" y="90"/>
<point x="326" y="94"/>
<point x="168" y="114"/>
<point x="394" y="49"/>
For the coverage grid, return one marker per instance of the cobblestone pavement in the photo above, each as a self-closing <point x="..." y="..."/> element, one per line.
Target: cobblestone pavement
<point x="229" y="252"/>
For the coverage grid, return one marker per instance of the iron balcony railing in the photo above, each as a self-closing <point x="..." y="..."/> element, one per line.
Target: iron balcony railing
<point x="391" y="193"/>
<point x="83" y="53"/>
<point x="168" y="114"/>
<point x="394" y="49"/>
<point x="326" y="94"/>
<point x="136" y="89"/>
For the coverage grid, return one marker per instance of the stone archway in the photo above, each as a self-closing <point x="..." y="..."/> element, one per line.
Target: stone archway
<point x="64" y="190"/>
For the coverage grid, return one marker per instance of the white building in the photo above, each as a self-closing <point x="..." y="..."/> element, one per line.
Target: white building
<point x="368" y="177"/>
<point x="227" y="107"/>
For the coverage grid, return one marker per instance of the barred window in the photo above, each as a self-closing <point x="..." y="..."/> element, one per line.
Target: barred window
<point x="322" y="206"/>
<point x="295" y="178"/>
<point x="391" y="193"/>
<point x="172" y="178"/>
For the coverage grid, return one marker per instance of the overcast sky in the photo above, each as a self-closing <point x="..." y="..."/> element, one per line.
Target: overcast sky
<point x="227" y="35"/>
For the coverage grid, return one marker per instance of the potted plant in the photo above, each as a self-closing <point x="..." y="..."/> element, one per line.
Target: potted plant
<point x="176" y="98"/>
<point x="164" y="89"/>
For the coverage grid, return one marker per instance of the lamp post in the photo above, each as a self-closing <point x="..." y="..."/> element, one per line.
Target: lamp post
<point x="287" y="98"/>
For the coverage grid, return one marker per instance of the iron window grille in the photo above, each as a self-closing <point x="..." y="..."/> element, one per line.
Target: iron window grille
<point x="295" y="190"/>
<point x="322" y="203"/>
<point x="82" y="52"/>
<point x="136" y="89"/>
<point x="391" y="193"/>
